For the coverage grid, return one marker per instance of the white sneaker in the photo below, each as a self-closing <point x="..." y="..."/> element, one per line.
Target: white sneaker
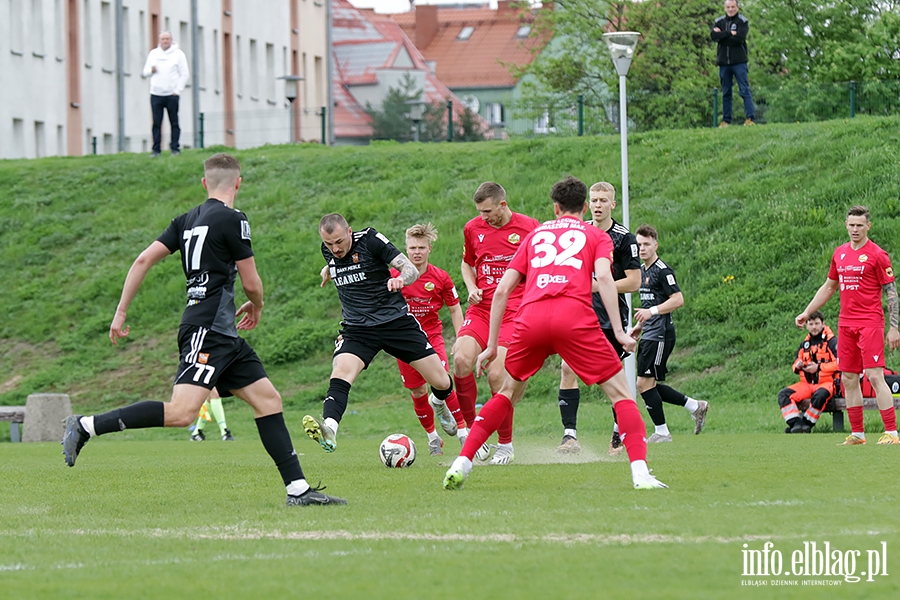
<point x="436" y="447"/>
<point x="442" y="412"/>
<point x="647" y="482"/>
<point x="503" y="455"/>
<point x="481" y="454"/>
<point x="658" y="438"/>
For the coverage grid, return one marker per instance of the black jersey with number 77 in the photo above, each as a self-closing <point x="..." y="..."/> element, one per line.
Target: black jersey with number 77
<point x="211" y="238"/>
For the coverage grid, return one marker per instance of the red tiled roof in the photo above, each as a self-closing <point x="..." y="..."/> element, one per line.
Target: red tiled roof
<point x="363" y="43"/>
<point x="476" y="62"/>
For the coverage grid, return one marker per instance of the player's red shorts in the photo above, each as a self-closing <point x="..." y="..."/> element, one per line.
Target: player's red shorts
<point x="477" y="324"/>
<point x="564" y="327"/>
<point x="412" y="378"/>
<point x="860" y="348"/>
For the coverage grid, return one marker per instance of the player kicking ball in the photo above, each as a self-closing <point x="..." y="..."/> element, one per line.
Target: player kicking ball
<point x="557" y="261"/>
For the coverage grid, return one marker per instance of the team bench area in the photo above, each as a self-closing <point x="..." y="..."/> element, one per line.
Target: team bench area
<point x="838" y="405"/>
<point x="16" y="416"/>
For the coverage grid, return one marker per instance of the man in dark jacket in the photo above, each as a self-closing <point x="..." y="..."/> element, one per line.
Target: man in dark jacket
<point x="730" y="33"/>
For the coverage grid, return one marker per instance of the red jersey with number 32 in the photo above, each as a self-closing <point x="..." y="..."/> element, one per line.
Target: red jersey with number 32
<point x="427" y="294"/>
<point x="860" y="275"/>
<point x="488" y="250"/>
<point x="558" y="257"/>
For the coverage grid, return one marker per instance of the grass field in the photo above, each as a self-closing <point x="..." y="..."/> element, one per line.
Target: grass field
<point x="148" y="514"/>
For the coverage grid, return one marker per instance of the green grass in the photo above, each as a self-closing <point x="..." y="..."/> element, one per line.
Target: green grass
<point x="149" y="514"/>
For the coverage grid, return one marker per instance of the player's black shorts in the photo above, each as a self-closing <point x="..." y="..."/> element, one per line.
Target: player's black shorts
<point x="611" y="336"/>
<point x="652" y="356"/>
<point x="402" y="338"/>
<point x="210" y="359"/>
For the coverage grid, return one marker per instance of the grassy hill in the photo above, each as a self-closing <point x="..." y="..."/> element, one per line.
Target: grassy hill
<point x="748" y="218"/>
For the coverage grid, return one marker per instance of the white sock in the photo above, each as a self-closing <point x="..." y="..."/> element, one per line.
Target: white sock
<point x="639" y="468"/>
<point x="88" y="424"/>
<point x="331" y="424"/>
<point x="462" y="433"/>
<point x="507" y="446"/>
<point x="433" y="435"/>
<point x="893" y="433"/>
<point x="691" y="405"/>
<point x="615" y="428"/>
<point x="570" y="433"/>
<point x="462" y="464"/>
<point x="861" y="436"/>
<point x="297" y="487"/>
<point x="662" y="429"/>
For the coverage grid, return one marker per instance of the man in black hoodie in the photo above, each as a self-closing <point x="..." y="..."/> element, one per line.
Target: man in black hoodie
<point x="730" y="33"/>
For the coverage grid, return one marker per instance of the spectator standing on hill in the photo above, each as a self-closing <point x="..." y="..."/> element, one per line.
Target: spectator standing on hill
<point x="730" y="33"/>
<point x="375" y="318"/>
<point x="862" y="272"/>
<point x="660" y="297"/>
<point x="214" y="241"/>
<point x="626" y="265"/>
<point x="816" y="364"/>
<point x="167" y="69"/>
<point x="556" y="262"/>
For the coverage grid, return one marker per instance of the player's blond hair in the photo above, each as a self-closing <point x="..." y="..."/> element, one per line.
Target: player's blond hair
<point x="603" y="186"/>
<point x="425" y="231"/>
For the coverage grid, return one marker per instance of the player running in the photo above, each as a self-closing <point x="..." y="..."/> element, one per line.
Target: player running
<point x="556" y="262"/>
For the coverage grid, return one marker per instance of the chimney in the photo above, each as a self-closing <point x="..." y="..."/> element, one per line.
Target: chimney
<point x="504" y="6"/>
<point x="426" y="25"/>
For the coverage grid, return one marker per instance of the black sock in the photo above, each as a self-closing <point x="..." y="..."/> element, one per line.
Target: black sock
<point x="568" y="407"/>
<point x="671" y="396"/>
<point x="140" y="415"/>
<point x="336" y="400"/>
<point x="653" y="401"/>
<point x="277" y="441"/>
<point x="443" y="394"/>
<point x="615" y="418"/>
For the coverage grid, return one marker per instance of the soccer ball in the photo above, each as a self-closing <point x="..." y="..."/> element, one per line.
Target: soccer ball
<point x="397" y="451"/>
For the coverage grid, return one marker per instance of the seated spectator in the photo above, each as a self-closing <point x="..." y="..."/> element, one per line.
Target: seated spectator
<point x="819" y="378"/>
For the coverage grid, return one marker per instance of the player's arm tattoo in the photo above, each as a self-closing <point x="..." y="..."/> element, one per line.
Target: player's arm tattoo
<point x="408" y="271"/>
<point x="890" y="289"/>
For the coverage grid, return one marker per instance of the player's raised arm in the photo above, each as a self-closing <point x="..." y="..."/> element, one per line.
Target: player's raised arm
<point x="154" y="253"/>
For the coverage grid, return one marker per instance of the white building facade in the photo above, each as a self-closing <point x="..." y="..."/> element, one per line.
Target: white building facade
<point x="59" y="76"/>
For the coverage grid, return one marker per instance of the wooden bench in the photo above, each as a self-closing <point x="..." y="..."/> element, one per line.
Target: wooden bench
<point x="838" y="405"/>
<point x="16" y="416"/>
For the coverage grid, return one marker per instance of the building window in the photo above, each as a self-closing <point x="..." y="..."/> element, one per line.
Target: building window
<point x="523" y="32"/>
<point x="254" y="72"/>
<point x="270" y="72"/>
<point x="320" y="85"/>
<point x="465" y="33"/>
<point x="59" y="31"/>
<point x="18" y="149"/>
<point x="37" y="27"/>
<point x="88" y="37"/>
<point x="495" y="113"/>
<point x="200" y="77"/>
<point x="107" y="38"/>
<point x="40" y="140"/>
<point x="15" y="26"/>
<point x="217" y="82"/>
<point x="239" y="65"/>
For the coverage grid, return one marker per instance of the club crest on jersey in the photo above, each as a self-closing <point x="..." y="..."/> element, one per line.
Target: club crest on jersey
<point x="355" y="258"/>
<point x="203" y="358"/>
<point x="863" y="258"/>
<point x="480" y="237"/>
<point x="429" y="287"/>
<point x="842" y="256"/>
<point x="889" y="272"/>
<point x="514" y="238"/>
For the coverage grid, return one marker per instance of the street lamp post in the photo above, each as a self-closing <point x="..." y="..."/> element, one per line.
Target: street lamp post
<point x="621" y="47"/>
<point x="416" y="112"/>
<point x="290" y="92"/>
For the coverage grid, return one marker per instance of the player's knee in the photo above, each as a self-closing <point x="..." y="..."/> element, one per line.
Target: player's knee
<point x="784" y="397"/>
<point x="177" y="417"/>
<point x="567" y="377"/>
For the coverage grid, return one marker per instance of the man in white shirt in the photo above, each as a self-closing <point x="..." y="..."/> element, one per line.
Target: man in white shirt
<point x="167" y="69"/>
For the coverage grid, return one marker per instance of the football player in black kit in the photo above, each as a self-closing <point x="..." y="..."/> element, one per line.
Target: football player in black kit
<point x="627" y="274"/>
<point x="375" y="317"/>
<point x="660" y="297"/>
<point x="214" y="242"/>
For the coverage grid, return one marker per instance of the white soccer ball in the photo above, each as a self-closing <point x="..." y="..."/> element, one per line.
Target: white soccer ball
<point x="397" y="451"/>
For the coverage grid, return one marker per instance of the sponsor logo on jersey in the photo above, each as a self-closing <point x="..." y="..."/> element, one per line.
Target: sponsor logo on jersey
<point x="545" y="279"/>
<point x="203" y="358"/>
<point x="634" y="250"/>
<point x="514" y="238"/>
<point x="670" y="279"/>
<point x="355" y="258"/>
<point x="429" y="287"/>
<point x="245" y="230"/>
<point x="863" y="258"/>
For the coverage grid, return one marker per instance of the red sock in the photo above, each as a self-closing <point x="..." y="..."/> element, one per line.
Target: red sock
<point x="489" y="419"/>
<point x="504" y="433"/>
<point x="424" y="412"/>
<point x="453" y="402"/>
<point x="467" y="393"/>
<point x="632" y="430"/>
<point x="856" y="419"/>
<point x="889" y="416"/>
